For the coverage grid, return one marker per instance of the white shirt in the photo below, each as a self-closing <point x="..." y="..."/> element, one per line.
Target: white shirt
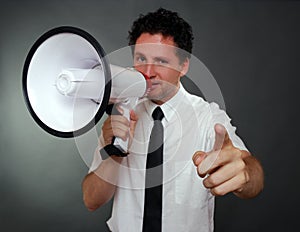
<point x="188" y="127"/>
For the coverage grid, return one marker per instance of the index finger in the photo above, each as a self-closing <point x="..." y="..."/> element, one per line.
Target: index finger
<point x="221" y="137"/>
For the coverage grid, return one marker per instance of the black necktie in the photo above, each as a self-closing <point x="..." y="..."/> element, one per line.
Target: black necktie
<point x="154" y="175"/>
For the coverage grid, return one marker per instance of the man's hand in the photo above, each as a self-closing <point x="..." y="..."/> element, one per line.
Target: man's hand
<point x="119" y="126"/>
<point x="227" y="168"/>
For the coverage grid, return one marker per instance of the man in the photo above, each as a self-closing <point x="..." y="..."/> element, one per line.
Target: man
<point x="202" y="155"/>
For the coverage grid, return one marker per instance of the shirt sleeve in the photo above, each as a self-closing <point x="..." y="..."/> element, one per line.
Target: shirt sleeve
<point x="221" y="117"/>
<point x="97" y="157"/>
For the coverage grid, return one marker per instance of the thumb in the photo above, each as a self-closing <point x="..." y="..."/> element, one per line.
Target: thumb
<point x="198" y="157"/>
<point x="133" y="120"/>
<point x="133" y="116"/>
<point x="221" y="137"/>
<point x="132" y="124"/>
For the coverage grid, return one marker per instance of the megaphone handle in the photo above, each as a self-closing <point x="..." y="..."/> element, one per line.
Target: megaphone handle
<point x="118" y="146"/>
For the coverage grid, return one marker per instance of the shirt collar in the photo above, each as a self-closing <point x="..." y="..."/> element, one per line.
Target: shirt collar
<point x="170" y="107"/>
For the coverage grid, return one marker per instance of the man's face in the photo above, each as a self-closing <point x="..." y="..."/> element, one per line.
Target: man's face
<point x="155" y="56"/>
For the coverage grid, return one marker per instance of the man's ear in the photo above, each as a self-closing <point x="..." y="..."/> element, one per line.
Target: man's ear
<point x="184" y="67"/>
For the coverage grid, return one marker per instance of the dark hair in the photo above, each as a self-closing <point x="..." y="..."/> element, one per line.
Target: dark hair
<point x="167" y="23"/>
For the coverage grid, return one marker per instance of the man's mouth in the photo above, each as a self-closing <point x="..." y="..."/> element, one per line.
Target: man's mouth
<point x="155" y="83"/>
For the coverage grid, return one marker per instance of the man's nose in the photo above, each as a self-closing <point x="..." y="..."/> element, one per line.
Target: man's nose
<point x="149" y="70"/>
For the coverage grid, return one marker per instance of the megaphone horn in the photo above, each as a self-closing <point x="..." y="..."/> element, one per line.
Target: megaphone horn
<point x="67" y="65"/>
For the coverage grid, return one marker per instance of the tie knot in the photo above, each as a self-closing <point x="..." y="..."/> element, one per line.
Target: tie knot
<point x="158" y="114"/>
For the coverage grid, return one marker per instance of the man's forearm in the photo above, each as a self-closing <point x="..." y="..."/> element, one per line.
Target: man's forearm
<point x="99" y="186"/>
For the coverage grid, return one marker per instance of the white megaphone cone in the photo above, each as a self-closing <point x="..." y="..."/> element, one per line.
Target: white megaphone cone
<point x="67" y="65"/>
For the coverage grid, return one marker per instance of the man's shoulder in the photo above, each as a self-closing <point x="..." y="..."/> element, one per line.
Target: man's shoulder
<point x="199" y="102"/>
<point x="201" y="105"/>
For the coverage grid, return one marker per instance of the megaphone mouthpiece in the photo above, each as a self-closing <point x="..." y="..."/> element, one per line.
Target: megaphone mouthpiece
<point x="128" y="83"/>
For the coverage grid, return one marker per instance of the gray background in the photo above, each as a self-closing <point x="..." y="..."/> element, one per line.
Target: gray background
<point x="251" y="48"/>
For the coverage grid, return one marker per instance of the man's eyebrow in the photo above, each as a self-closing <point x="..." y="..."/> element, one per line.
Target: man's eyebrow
<point x="161" y="58"/>
<point x="154" y="58"/>
<point x="138" y="54"/>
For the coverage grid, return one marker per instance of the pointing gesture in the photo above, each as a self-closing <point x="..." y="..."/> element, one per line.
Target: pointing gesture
<point x="224" y="166"/>
<point x="222" y="137"/>
<point x="221" y="142"/>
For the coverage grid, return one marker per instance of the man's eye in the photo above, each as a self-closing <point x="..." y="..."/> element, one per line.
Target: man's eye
<point x="162" y="62"/>
<point x="141" y="59"/>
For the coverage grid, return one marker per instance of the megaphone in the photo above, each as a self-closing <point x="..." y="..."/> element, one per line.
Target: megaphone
<point x="68" y="84"/>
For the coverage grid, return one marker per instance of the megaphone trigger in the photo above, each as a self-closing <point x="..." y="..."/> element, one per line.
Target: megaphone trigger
<point x="111" y="109"/>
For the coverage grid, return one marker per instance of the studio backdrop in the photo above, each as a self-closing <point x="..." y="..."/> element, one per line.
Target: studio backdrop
<point x="251" y="50"/>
